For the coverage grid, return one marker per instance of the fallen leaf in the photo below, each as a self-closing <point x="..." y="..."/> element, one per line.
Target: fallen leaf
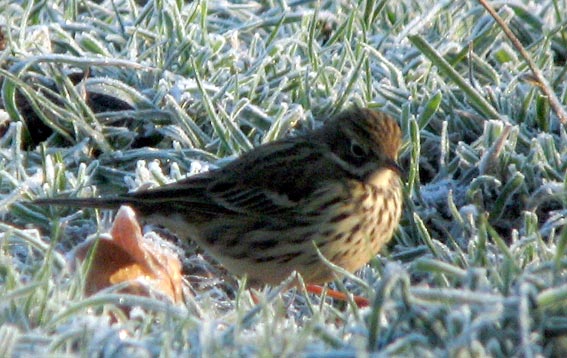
<point x="127" y="256"/>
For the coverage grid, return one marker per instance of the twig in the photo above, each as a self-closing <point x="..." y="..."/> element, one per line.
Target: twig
<point x="544" y="85"/>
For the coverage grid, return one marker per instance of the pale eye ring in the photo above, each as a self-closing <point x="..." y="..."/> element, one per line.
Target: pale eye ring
<point x="356" y="149"/>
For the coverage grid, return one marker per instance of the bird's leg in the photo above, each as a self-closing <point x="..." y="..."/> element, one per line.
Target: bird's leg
<point x="318" y="290"/>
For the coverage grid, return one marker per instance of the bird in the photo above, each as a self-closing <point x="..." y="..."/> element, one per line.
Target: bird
<point x="333" y="191"/>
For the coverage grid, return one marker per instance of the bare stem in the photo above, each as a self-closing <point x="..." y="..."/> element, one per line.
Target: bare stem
<point x="543" y="84"/>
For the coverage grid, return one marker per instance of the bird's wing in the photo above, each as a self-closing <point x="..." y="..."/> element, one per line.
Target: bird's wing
<point x="270" y="179"/>
<point x="274" y="178"/>
<point x="230" y="197"/>
<point x="253" y="201"/>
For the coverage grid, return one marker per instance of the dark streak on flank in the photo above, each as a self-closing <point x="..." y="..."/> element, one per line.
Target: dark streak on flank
<point x="239" y="256"/>
<point x="380" y="216"/>
<point x="264" y="259"/>
<point x="264" y="244"/>
<point x="353" y="232"/>
<point x="336" y="257"/>
<point x="232" y="242"/>
<point x="340" y="217"/>
<point x="287" y="258"/>
<point x="302" y="238"/>
<point x="334" y="201"/>
<point x="312" y="261"/>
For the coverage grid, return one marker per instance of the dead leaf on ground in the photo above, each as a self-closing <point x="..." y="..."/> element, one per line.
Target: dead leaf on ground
<point x="129" y="257"/>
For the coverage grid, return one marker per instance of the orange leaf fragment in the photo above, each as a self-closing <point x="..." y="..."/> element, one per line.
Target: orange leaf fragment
<point x="129" y="257"/>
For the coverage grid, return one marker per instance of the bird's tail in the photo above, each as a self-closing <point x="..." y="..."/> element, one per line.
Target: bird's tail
<point x="102" y="203"/>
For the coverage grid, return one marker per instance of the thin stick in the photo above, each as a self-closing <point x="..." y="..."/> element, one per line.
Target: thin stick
<point x="543" y="84"/>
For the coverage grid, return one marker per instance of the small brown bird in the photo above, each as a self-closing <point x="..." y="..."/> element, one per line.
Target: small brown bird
<point x="336" y="189"/>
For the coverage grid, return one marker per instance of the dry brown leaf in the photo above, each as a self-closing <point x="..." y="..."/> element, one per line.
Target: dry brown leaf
<point x="129" y="257"/>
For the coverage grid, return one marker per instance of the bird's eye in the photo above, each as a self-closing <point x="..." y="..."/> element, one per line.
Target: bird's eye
<point x="357" y="150"/>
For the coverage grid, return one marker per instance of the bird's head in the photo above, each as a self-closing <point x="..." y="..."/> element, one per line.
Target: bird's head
<point x="365" y="143"/>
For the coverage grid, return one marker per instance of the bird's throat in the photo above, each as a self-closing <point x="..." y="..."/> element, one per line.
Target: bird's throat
<point x="382" y="178"/>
